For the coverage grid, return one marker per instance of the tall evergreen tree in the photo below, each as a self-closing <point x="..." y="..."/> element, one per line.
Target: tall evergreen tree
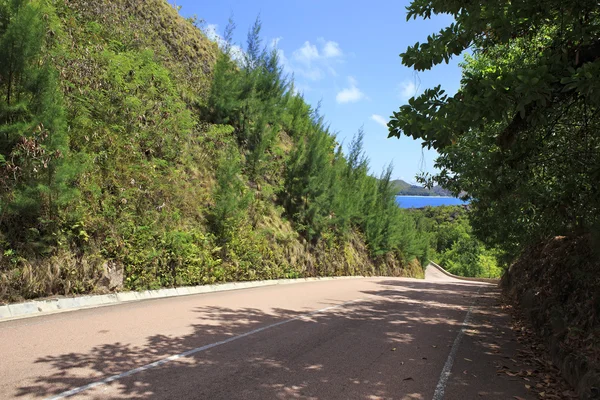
<point x="231" y="197"/>
<point x="223" y="99"/>
<point x="307" y="185"/>
<point x="34" y="169"/>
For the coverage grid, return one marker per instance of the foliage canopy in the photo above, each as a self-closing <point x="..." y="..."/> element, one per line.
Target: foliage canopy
<point x="520" y="137"/>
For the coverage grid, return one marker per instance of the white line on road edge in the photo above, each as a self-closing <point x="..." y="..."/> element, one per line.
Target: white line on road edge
<point x="441" y="386"/>
<point x="189" y="353"/>
<point x="36" y="308"/>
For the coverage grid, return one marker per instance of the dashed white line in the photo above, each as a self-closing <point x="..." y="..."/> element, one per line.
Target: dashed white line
<point x="441" y="386"/>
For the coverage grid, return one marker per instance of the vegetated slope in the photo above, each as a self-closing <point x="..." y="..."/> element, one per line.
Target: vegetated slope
<point x="135" y="153"/>
<point x="557" y="284"/>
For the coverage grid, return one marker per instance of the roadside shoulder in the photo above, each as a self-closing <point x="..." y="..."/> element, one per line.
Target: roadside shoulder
<point x="498" y="361"/>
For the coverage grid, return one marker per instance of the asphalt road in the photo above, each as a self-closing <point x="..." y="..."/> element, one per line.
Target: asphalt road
<point x="375" y="338"/>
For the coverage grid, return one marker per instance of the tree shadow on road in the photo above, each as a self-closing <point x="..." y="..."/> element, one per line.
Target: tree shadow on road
<point x="392" y="344"/>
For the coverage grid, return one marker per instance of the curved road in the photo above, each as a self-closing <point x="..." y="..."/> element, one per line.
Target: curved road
<point x="372" y="338"/>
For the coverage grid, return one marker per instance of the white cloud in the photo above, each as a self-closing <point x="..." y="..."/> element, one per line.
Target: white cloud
<point x="314" y="61"/>
<point x="310" y="61"/>
<point x="306" y="58"/>
<point x="406" y="90"/>
<point x="332" y="50"/>
<point x="379" y="119"/>
<point x="307" y="53"/>
<point x="351" y="94"/>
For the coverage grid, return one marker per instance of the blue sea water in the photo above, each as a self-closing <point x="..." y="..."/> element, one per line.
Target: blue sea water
<point x="424" y="201"/>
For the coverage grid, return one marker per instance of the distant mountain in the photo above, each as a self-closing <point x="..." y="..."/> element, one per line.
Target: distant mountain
<point x="403" y="188"/>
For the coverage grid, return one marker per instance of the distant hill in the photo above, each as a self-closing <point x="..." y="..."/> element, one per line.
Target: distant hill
<point x="403" y="188"/>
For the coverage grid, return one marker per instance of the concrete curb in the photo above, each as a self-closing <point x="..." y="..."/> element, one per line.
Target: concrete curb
<point x="57" y="305"/>
<point x="462" y="278"/>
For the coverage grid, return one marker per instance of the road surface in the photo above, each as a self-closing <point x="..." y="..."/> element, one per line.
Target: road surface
<point x="372" y="338"/>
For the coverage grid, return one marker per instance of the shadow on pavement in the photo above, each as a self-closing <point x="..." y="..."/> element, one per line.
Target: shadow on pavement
<point x="392" y="344"/>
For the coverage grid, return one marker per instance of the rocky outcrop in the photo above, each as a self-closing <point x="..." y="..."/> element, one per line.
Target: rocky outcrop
<point x="112" y="276"/>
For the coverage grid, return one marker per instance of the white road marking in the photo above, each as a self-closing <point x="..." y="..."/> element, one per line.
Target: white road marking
<point x="163" y="361"/>
<point x="441" y="386"/>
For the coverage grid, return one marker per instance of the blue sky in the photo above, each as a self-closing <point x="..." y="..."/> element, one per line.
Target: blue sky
<point x="346" y="55"/>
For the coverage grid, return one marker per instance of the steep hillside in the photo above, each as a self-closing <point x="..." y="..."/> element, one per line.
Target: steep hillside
<point x="137" y="154"/>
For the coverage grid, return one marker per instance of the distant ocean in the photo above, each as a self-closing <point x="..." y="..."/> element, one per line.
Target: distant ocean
<point x="424" y="201"/>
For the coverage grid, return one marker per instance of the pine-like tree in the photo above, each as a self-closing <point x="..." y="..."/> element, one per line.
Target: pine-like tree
<point x="308" y="195"/>
<point x="223" y="100"/>
<point x="231" y="197"/>
<point x="35" y="172"/>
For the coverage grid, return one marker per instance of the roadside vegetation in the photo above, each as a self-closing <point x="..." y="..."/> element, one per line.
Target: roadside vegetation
<point x="520" y="137"/>
<point x="454" y="245"/>
<point x="137" y="154"/>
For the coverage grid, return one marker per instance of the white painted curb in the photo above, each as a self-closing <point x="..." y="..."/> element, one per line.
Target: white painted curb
<point x="42" y="307"/>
